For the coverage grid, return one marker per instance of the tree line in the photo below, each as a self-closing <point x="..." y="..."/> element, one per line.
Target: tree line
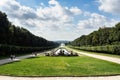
<point x="103" y="36"/>
<point x="11" y="35"/>
<point x="105" y="40"/>
<point x="15" y="35"/>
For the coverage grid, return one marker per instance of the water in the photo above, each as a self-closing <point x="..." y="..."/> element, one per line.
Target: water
<point x="65" y="52"/>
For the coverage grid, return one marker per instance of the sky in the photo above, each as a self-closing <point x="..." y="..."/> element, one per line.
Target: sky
<point x="61" y="19"/>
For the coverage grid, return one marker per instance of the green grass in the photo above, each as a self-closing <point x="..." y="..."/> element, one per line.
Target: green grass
<point x="60" y="66"/>
<point x="98" y="53"/>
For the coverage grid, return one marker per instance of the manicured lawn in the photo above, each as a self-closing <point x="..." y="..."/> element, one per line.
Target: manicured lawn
<point x="60" y="66"/>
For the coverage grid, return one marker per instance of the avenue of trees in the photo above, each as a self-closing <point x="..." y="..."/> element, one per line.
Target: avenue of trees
<point x="106" y="39"/>
<point x="13" y="38"/>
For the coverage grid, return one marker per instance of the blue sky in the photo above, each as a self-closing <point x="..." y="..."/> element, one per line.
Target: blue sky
<point x="62" y="19"/>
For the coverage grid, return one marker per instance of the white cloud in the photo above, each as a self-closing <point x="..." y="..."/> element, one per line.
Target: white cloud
<point x="95" y="21"/>
<point x="53" y="21"/>
<point x="3" y="2"/>
<point x="53" y="18"/>
<point x="110" y="6"/>
<point x="54" y="12"/>
<point x="75" y="10"/>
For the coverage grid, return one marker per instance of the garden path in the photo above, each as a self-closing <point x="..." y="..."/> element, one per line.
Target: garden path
<point x="107" y="58"/>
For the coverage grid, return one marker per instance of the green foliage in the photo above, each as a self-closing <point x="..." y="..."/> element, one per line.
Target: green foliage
<point x="111" y="49"/>
<point x="15" y="35"/>
<point x="6" y="50"/>
<point x="106" y="39"/>
<point x="104" y="36"/>
<point x="21" y="39"/>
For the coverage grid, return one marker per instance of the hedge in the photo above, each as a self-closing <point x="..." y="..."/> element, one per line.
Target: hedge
<point x="6" y="50"/>
<point x="111" y="49"/>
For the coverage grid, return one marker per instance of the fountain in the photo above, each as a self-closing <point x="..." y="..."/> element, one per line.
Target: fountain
<point x="61" y="52"/>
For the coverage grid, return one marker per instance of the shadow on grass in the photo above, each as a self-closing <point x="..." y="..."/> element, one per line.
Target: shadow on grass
<point x="33" y="57"/>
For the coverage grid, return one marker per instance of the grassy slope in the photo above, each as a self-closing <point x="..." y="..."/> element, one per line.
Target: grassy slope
<point x="60" y="66"/>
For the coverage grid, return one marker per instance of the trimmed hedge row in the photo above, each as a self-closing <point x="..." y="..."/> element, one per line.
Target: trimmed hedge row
<point x="6" y="50"/>
<point x="111" y="49"/>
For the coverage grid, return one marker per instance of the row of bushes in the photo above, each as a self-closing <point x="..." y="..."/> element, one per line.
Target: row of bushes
<point x="6" y="50"/>
<point x="111" y="49"/>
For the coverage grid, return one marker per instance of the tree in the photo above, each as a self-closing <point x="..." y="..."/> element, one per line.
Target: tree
<point x="103" y="36"/>
<point x="15" y="35"/>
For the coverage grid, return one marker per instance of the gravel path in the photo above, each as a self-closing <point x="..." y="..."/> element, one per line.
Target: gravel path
<point x="8" y="60"/>
<point x="110" y="59"/>
<point x="60" y="78"/>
